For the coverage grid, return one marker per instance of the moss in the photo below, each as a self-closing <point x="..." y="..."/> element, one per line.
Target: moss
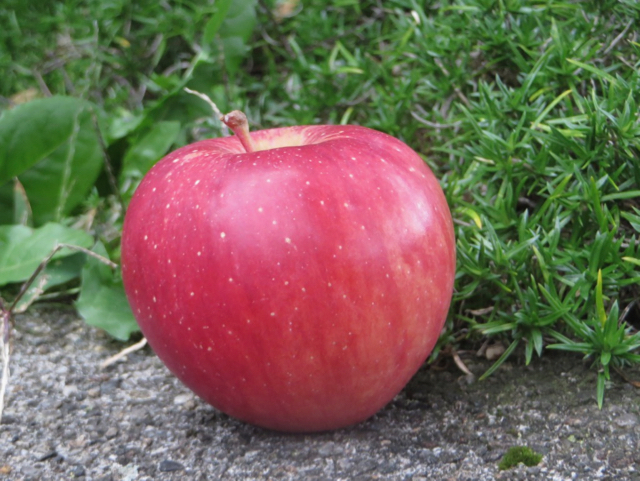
<point x="517" y="455"/>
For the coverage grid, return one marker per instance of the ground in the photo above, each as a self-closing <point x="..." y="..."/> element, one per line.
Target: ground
<point x="66" y="418"/>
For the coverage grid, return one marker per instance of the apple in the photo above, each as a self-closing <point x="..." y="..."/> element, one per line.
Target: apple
<point x="295" y="278"/>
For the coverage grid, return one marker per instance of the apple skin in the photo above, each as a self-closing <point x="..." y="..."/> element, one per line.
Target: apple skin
<point x="297" y="288"/>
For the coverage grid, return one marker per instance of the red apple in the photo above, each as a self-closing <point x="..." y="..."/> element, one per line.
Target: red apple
<point x="294" y="278"/>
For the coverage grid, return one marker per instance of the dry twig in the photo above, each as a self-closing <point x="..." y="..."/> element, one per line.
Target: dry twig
<point x="213" y="106"/>
<point x="116" y="357"/>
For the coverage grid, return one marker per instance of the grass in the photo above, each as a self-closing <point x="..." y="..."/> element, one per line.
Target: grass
<point x="527" y="111"/>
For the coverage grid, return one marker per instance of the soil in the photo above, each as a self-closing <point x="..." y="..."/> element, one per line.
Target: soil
<point x="66" y="418"/>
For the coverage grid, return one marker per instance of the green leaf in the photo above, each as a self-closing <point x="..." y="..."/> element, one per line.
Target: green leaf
<point x="602" y="315"/>
<point x="57" y="272"/>
<point x="150" y="148"/>
<point x="594" y="70"/>
<point x="634" y="220"/>
<point x="21" y="208"/>
<point x="213" y="25"/>
<point x="102" y="302"/>
<point x="528" y="352"/>
<point x="501" y="359"/>
<point x="232" y="25"/>
<point x="536" y="337"/>
<point x="22" y="248"/>
<point x="600" y="389"/>
<point x="52" y="146"/>
<point x="122" y="125"/>
<point x="581" y="347"/>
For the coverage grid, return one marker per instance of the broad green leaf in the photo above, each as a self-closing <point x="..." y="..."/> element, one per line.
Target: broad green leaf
<point x="150" y="148"/>
<point x="51" y="145"/>
<point x="57" y="272"/>
<point x="22" y="248"/>
<point x="236" y="31"/>
<point x="122" y="125"/>
<point x="102" y="301"/>
<point x="229" y="29"/>
<point x="21" y="208"/>
<point x="7" y="208"/>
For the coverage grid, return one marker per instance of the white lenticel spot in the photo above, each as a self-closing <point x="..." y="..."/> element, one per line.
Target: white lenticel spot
<point x="154" y="299"/>
<point x="199" y="253"/>
<point x="223" y="235"/>
<point x="146" y="237"/>
<point x="193" y="294"/>
<point x="273" y="314"/>
<point x="230" y="279"/>
<point x="196" y="182"/>
<point x="287" y="240"/>
<point x="260" y="209"/>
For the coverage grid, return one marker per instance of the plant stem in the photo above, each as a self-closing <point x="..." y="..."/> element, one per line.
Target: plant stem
<point x="238" y="123"/>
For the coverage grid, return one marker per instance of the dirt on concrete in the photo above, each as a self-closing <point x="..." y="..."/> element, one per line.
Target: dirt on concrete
<point x="66" y="418"/>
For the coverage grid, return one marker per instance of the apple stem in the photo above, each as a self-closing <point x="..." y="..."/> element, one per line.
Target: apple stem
<point x="238" y="123"/>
